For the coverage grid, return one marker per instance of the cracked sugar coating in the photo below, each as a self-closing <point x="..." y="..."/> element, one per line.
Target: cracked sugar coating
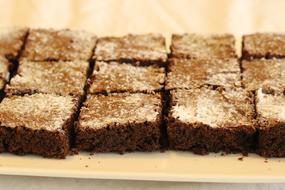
<point x="38" y="111"/>
<point x="116" y="77"/>
<point x="63" y="78"/>
<point x="266" y="45"/>
<point x="63" y="45"/>
<point x="100" y="111"/>
<point x="144" y="48"/>
<point x="215" y="108"/>
<point x="263" y="74"/>
<point x="195" y="73"/>
<point x="4" y="68"/>
<point x="270" y="107"/>
<point x="203" y="46"/>
<point x="11" y="41"/>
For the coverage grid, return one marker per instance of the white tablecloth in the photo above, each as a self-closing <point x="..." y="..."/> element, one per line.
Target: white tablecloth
<point x="117" y="17"/>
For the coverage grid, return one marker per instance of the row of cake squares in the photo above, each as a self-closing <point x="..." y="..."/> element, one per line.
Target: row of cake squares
<point x="116" y="128"/>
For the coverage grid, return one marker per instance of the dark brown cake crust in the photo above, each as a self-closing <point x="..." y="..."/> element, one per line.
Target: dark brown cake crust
<point x="202" y="139"/>
<point x="270" y="123"/>
<point x="119" y="138"/>
<point x="271" y="140"/>
<point x="50" y="144"/>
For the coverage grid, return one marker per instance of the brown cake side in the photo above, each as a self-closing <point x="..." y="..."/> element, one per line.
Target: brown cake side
<point x="146" y="49"/>
<point x="117" y="77"/>
<point x="58" y="45"/>
<point x="54" y="77"/>
<point x="205" y="120"/>
<point x="120" y="123"/>
<point x="271" y="123"/>
<point x="39" y="124"/>
<point x="186" y="74"/>
<point x="11" y="42"/>
<point x="263" y="45"/>
<point x="197" y="46"/>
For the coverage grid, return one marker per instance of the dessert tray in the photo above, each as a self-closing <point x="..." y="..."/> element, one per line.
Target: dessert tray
<point x="167" y="166"/>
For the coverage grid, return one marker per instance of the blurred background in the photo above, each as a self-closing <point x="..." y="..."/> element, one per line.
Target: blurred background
<point x="117" y="17"/>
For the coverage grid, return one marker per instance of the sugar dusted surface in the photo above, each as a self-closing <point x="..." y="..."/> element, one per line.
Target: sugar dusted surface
<point x="38" y="111"/>
<point x="101" y="111"/>
<point x="64" y="45"/>
<point x="231" y="108"/>
<point x="264" y="73"/>
<point x="4" y="68"/>
<point x="270" y="107"/>
<point x="264" y="44"/>
<point x="11" y="40"/>
<point x="116" y="77"/>
<point x="203" y="46"/>
<point x="64" y="78"/>
<point x="146" y="47"/>
<point x="195" y="73"/>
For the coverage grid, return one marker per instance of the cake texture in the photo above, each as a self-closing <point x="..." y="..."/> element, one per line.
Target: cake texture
<point x="263" y="45"/>
<point x="205" y="120"/>
<point x="58" y="45"/>
<point x="40" y="124"/>
<point x="4" y="68"/>
<point x="11" y="42"/>
<point x="261" y="73"/>
<point x="186" y="73"/>
<point x="57" y="77"/>
<point x="270" y="110"/>
<point x="197" y="46"/>
<point x="117" y="77"/>
<point x="119" y="123"/>
<point x="145" y="48"/>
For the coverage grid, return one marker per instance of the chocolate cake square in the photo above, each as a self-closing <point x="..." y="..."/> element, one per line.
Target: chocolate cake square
<point x="145" y="48"/>
<point x="187" y="73"/>
<point x="117" y="77"/>
<point x="58" y="77"/>
<point x="11" y="42"/>
<point x="120" y="122"/>
<point x="270" y="108"/>
<point x="206" y="120"/>
<point x="198" y="46"/>
<point x="263" y="74"/>
<point x="263" y="45"/>
<point x="39" y="124"/>
<point x="58" y="45"/>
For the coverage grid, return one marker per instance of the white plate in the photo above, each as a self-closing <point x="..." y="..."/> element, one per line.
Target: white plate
<point x="167" y="166"/>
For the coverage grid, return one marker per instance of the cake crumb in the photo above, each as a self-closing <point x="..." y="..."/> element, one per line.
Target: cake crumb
<point x="240" y="158"/>
<point x="265" y="161"/>
<point x="86" y="166"/>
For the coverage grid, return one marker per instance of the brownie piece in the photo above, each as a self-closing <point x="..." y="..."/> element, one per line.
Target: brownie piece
<point x="263" y="73"/>
<point x="270" y="110"/>
<point x="205" y="120"/>
<point x="63" y="78"/>
<point x="117" y="77"/>
<point x="11" y="42"/>
<point x="263" y="45"/>
<point x="39" y="124"/>
<point x="188" y="73"/>
<point x="119" y="123"/>
<point x="58" y="45"/>
<point x="146" y="48"/>
<point x="197" y="46"/>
